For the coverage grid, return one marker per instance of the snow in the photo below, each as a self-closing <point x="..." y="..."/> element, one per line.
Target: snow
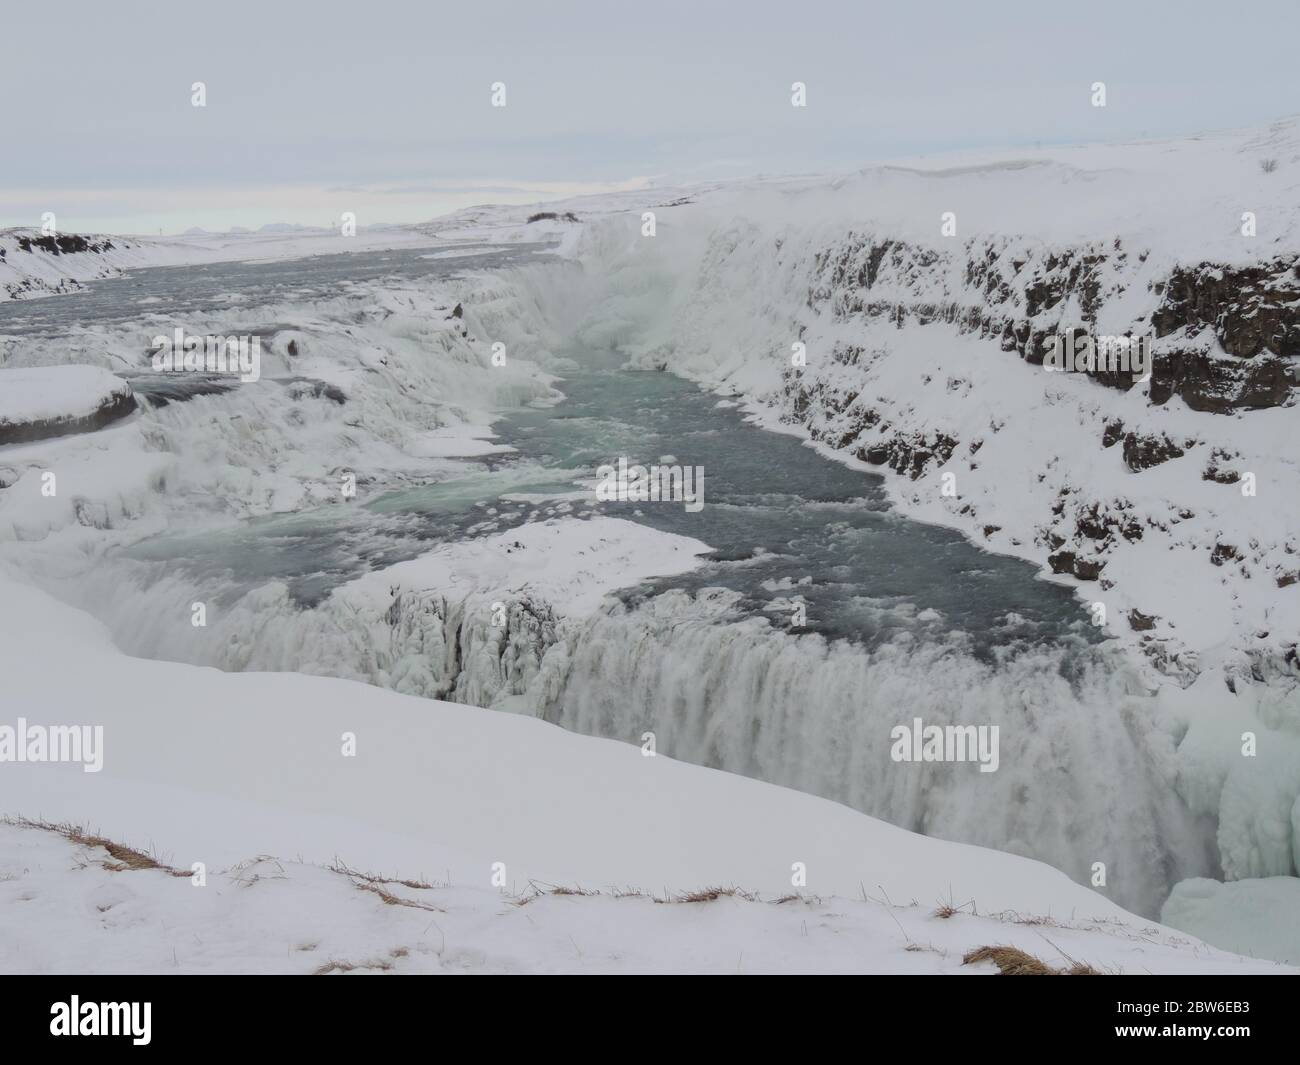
<point x="570" y="565"/>
<point x="457" y="441"/>
<point x="1256" y="916"/>
<point x="270" y="915"/>
<point x="50" y="393"/>
<point x="202" y="766"/>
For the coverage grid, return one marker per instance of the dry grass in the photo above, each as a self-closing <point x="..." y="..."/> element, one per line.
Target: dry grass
<point x="346" y="966"/>
<point x="950" y="908"/>
<point x="375" y="885"/>
<point x="123" y="858"/>
<point x="562" y="890"/>
<point x="1011" y="961"/>
<point x="246" y="873"/>
<point x="389" y="899"/>
<point x="371" y="878"/>
<point x="708" y="894"/>
<point x="538" y="889"/>
<point x="712" y="894"/>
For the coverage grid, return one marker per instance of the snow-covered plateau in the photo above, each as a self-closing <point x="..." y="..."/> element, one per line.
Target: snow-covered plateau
<point x="897" y="321"/>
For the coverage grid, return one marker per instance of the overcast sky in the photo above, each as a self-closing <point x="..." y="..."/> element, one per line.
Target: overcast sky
<point x="384" y="107"/>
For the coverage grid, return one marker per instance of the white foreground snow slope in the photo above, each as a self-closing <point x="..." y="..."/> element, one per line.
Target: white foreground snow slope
<point x="246" y="774"/>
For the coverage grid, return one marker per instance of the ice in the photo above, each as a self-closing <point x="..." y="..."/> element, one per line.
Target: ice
<point x="1254" y="916"/>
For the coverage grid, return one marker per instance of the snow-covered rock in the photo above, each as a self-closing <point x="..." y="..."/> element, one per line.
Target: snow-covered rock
<point x="39" y="402"/>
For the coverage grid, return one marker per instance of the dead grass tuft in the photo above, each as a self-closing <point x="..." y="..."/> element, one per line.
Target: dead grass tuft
<point x="123" y="857"/>
<point x="247" y="873"/>
<point x="371" y="878"/>
<point x="712" y="894"/>
<point x="333" y="966"/>
<point x="562" y="890"/>
<point x="389" y="899"/>
<point x="1011" y="961"/>
<point x="950" y="908"/>
<point x="375" y="885"/>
